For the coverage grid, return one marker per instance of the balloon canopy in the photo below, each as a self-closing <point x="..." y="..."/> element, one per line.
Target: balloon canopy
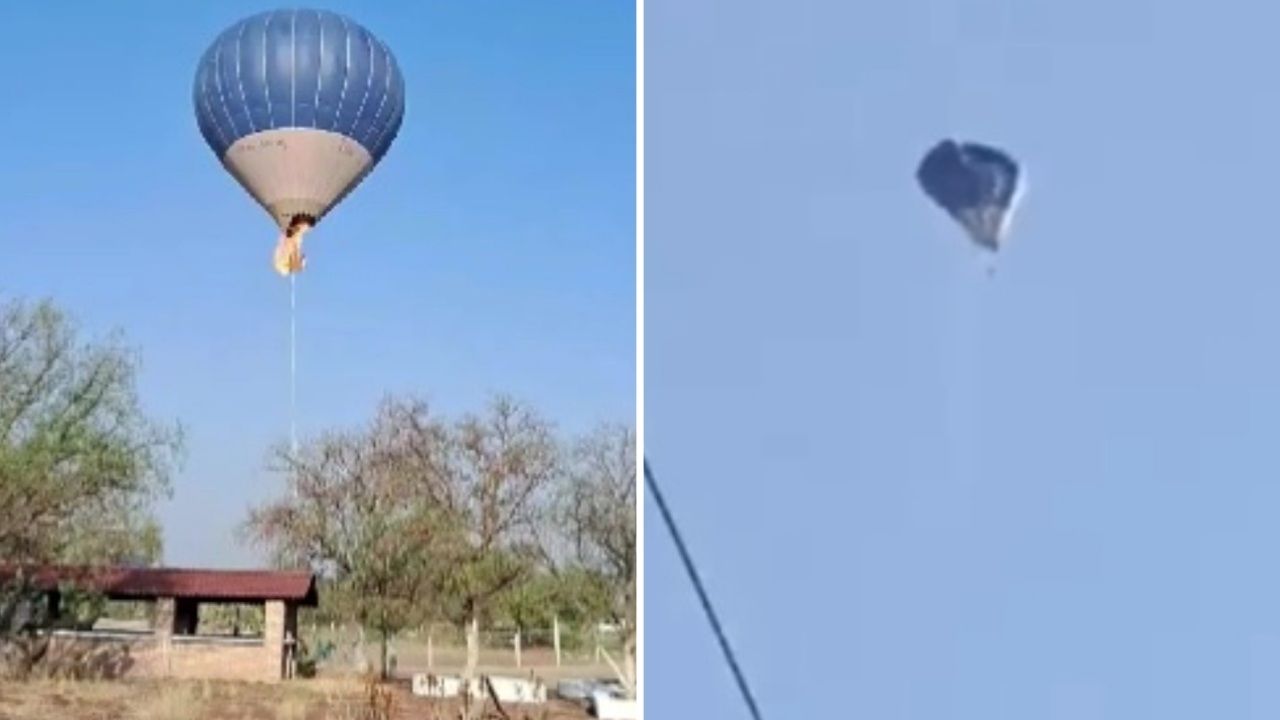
<point x="977" y="185"/>
<point x="299" y="106"/>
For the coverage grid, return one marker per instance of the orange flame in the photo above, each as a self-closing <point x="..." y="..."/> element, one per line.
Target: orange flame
<point x="288" y="258"/>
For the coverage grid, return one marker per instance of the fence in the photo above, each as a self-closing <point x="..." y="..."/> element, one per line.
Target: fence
<point x="560" y="651"/>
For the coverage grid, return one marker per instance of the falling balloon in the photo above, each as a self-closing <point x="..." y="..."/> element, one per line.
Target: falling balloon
<point x="977" y="185"/>
<point x="299" y="106"/>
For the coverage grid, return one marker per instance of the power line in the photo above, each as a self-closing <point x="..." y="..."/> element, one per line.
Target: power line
<point x="692" y="569"/>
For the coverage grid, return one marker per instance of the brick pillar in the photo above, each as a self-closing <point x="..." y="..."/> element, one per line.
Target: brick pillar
<point x="164" y="633"/>
<point x="273" y="629"/>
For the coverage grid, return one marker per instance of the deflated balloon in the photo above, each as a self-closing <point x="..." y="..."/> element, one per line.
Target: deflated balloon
<point x="977" y="185"/>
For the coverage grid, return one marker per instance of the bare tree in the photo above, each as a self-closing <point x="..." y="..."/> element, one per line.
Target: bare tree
<point x="416" y="517"/>
<point x="357" y="512"/>
<point x="598" y="507"/>
<point x="500" y="467"/>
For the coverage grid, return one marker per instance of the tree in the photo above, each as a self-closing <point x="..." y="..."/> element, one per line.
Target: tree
<point x="570" y="594"/>
<point x="598" y="507"/>
<point x="499" y="467"/>
<point x="356" y="514"/>
<point x="80" y="462"/>
<point x="418" y="518"/>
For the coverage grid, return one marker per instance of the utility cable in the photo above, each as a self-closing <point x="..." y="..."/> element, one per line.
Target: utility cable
<point x="707" y="607"/>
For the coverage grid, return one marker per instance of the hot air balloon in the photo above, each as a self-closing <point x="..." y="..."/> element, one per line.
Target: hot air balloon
<point x="299" y="106"/>
<point x="977" y="185"/>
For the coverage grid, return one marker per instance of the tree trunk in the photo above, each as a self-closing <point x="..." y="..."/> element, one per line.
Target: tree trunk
<point x="472" y="709"/>
<point x="473" y="647"/>
<point x="386" y="670"/>
<point x="362" y="664"/>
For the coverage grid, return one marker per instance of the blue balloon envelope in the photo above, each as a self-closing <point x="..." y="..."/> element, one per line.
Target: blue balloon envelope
<point x="299" y="106"/>
<point x="977" y="185"/>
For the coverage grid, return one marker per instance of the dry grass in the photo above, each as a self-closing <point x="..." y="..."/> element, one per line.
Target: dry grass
<point x="58" y="698"/>
<point x="320" y="699"/>
<point x="292" y="707"/>
<point x="178" y="700"/>
<point x="170" y="702"/>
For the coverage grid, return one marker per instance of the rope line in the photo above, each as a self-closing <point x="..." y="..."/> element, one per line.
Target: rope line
<point x="707" y="608"/>
<point x="293" y="363"/>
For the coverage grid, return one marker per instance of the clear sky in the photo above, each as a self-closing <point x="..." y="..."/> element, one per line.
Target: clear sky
<point x="917" y="492"/>
<point x="492" y="250"/>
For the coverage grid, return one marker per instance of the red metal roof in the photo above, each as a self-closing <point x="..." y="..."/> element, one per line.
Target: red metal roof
<point x="126" y="583"/>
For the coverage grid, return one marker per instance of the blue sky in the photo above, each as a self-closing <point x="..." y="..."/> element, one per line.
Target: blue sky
<point x="917" y="492"/>
<point x="492" y="250"/>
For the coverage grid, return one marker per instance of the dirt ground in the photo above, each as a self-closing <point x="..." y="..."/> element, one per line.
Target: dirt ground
<point x="321" y="699"/>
